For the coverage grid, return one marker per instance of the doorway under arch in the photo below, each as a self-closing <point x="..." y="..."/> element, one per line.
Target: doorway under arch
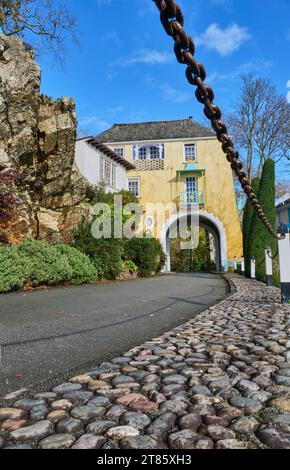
<point x="211" y="224"/>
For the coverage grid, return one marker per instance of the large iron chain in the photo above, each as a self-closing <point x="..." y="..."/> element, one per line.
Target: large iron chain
<point x="172" y="20"/>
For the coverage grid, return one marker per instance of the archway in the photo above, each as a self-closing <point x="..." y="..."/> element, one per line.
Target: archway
<point x="211" y="224"/>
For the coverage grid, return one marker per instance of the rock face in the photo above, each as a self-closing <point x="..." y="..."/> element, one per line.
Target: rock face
<point x="37" y="136"/>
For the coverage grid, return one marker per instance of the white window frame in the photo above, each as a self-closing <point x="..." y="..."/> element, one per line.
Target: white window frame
<point x="189" y="144"/>
<point x="120" y="151"/>
<point x="108" y="172"/>
<point x="148" y="156"/>
<point x="114" y="175"/>
<point x="191" y="188"/>
<point x="135" y="180"/>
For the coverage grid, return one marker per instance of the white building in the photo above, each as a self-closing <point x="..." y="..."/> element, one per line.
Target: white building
<point x="101" y="165"/>
<point x="283" y="212"/>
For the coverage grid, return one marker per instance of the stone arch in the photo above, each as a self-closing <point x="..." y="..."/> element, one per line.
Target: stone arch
<point x="206" y="220"/>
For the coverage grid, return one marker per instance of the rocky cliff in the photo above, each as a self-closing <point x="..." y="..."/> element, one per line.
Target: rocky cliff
<point x="37" y="136"/>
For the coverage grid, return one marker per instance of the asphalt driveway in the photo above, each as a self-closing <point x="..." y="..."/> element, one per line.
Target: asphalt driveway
<point x="47" y="334"/>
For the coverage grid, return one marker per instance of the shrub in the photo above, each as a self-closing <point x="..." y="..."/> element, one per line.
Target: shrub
<point x="105" y="254"/>
<point x="46" y="265"/>
<point x="191" y="260"/>
<point x="83" y="271"/>
<point x="131" y="266"/>
<point x="146" y="253"/>
<point x="14" y="271"/>
<point x="36" y="263"/>
<point x="260" y="238"/>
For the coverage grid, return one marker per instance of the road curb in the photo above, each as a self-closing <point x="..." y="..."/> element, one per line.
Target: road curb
<point x="231" y="287"/>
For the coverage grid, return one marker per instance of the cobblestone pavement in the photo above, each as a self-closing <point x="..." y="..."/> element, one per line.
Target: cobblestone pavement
<point x="219" y="381"/>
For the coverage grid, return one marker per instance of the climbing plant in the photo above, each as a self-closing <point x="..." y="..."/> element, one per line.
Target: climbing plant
<point x="247" y="225"/>
<point x="188" y="260"/>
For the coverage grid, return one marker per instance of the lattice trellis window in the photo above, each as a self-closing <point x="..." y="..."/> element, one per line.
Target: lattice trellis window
<point x="149" y="165"/>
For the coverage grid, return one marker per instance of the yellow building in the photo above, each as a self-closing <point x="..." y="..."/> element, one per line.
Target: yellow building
<point x="181" y="164"/>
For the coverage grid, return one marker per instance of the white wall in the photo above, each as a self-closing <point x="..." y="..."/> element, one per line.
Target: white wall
<point x="87" y="159"/>
<point x="282" y="215"/>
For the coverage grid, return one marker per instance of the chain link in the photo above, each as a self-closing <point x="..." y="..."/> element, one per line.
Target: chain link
<point x="172" y="20"/>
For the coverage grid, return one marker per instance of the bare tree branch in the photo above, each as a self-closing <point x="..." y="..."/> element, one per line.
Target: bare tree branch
<point x="44" y="24"/>
<point x="260" y="123"/>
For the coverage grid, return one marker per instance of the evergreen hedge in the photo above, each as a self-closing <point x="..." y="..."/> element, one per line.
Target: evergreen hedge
<point x="105" y="254"/>
<point x="109" y="255"/>
<point x="34" y="263"/>
<point x="146" y="253"/>
<point x="260" y="238"/>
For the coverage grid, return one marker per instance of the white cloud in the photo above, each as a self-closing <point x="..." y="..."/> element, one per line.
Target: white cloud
<point x="113" y="38"/>
<point x="173" y="95"/>
<point x="226" y="41"/>
<point x="246" y="67"/>
<point x="145" y="56"/>
<point x="93" y="124"/>
<point x="115" y="110"/>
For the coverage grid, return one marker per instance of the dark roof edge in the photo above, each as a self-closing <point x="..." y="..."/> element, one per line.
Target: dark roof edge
<point x="78" y="139"/>
<point x="284" y="203"/>
<point x="110" y="153"/>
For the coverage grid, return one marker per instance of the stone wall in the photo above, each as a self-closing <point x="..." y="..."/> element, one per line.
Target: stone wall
<point x="37" y="136"/>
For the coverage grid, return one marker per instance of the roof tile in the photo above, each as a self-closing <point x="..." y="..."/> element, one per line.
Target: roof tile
<point x="159" y="130"/>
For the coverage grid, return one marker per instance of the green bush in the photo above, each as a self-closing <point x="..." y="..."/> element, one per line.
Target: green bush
<point x="14" y="271"/>
<point x="260" y="238"/>
<point x="83" y="271"/>
<point x="35" y="263"/>
<point x="191" y="260"/>
<point x="46" y="265"/>
<point x="131" y="266"/>
<point x="146" y="253"/>
<point x="197" y="265"/>
<point x="105" y="254"/>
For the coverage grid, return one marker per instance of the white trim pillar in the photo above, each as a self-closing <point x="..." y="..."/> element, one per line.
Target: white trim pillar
<point x="243" y="266"/>
<point x="269" y="267"/>
<point x="253" y="268"/>
<point x="235" y="264"/>
<point x="284" y="257"/>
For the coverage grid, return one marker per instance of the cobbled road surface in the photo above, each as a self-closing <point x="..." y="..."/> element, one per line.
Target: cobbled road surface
<point x="221" y="380"/>
<point x="44" y="334"/>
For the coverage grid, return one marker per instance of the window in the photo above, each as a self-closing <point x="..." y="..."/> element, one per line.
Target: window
<point x="189" y="152"/>
<point x="108" y="172"/>
<point x="191" y="195"/>
<point x="134" y="186"/>
<point x="114" y="176"/>
<point x="119" y="151"/>
<point x="148" y="152"/>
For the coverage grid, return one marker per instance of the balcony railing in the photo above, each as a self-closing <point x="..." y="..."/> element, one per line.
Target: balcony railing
<point x="193" y="197"/>
<point x="284" y="228"/>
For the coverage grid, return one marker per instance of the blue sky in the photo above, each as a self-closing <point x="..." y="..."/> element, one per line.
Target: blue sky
<point x="125" y="70"/>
